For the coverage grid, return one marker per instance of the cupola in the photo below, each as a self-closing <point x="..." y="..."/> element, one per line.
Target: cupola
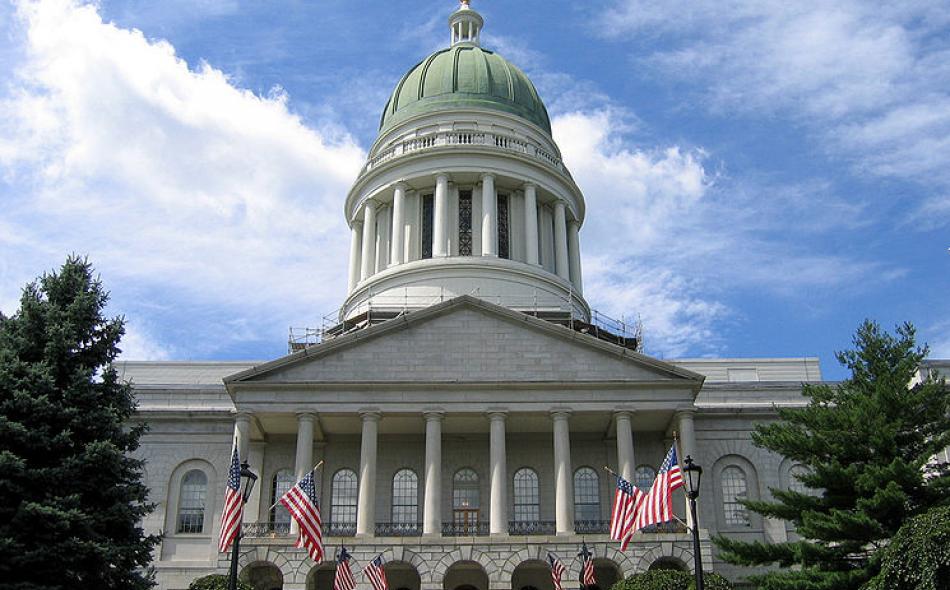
<point x="465" y="24"/>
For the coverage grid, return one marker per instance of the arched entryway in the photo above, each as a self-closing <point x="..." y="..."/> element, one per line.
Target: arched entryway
<point x="532" y="574"/>
<point x="465" y="575"/>
<point x="669" y="563"/>
<point x="402" y="576"/>
<point x="607" y="573"/>
<point x="321" y="577"/>
<point x="262" y="575"/>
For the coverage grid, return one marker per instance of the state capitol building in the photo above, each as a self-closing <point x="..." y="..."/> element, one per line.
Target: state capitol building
<point x="465" y="399"/>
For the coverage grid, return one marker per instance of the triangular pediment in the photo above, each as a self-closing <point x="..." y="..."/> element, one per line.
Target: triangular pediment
<point x="466" y="340"/>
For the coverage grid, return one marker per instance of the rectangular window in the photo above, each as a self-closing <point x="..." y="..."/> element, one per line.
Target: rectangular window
<point x="428" y="215"/>
<point x="503" y="244"/>
<point x="465" y="223"/>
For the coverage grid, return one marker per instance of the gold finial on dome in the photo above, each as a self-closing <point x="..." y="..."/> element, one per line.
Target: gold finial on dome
<point x="466" y="3"/>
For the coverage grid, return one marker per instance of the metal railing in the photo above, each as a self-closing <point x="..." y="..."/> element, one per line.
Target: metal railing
<point x="464" y="529"/>
<point x="339" y="529"/>
<point x="531" y="527"/>
<point x="442" y="139"/>
<point x="546" y="305"/>
<point x="398" y="529"/>
<point x="265" y="529"/>
<point x="591" y="527"/>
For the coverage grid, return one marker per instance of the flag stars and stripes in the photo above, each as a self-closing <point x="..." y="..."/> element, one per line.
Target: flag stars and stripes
<point x="657" y="505"/>
<point x="375" y="574"/>
<point x="557" y="571"/>
<point x="233" y="504"/>
<point x="343" y="580"/>
<point x="301" y="502"/>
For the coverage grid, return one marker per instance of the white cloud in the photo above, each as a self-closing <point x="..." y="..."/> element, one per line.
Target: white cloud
<point x="170" y="178"/>
<point x="868" y="80"/>
<point x="669" y="240"/>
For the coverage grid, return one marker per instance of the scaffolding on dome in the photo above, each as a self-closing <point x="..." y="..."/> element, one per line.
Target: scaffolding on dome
<point x="620" y="332"/>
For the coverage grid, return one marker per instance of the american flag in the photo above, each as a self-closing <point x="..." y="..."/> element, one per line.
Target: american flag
<point x="233" y="506"/>
<point x="657" y="505"/>
<point x="301" y="502"/>
<point x="557" y="570"/>
<point x="343" y="580"/>
<point x="375" y="574"/>
<point x="587" y="568"/>
<point x="627" y="502"/>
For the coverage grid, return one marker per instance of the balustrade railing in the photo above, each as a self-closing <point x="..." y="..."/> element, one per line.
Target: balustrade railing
<point x="265" y="529"/>
<point x="450" y="138"/>
<point x="464" y="529"/>
<point x="531" y="527"/>
<point x="591" y="527"/>
<point x="339" y="529"/>
<point x="398" y="529"/>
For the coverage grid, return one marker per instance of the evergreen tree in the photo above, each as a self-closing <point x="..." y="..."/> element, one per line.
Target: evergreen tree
<point x="866" y="444"/>
<point x="71" y="496"/>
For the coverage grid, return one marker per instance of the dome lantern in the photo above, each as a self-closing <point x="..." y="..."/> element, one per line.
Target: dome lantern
<point x="465" y="24"/>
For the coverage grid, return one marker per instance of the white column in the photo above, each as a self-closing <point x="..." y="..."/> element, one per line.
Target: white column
<point x="625" y="460"/>
<point x="399" y="225"/>
<point x="368" y="259"/>
<point x="574" y="250"/>
<point x="432" y="501"/>
<point x="498" y="523"/>
<point x="687" y="437"/>
<point x="531" y="223"/>
<point x="356" y="245"/>
<point x="439" y="212"/>
<point x="242" y="431"/>
<point x="489" y="216"/>
<point x="563" y="484"/>
<point x="304" y="459"/>
<point x="366" y="505"/>
<point x="561" y="264"/>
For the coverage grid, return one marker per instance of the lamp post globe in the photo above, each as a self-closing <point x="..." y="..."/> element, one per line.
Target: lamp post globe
<point x="694" y="475"/>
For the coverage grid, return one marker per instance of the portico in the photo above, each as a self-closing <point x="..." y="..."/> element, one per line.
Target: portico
<point x="502" y="416"/>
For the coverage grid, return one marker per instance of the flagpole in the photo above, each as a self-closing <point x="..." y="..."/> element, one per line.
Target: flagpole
<point x="298" y="481"/>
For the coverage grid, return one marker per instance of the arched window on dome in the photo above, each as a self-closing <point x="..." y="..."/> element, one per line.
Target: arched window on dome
<point x="465" y="222"/>
<point x="191" y="502"/>
<point x="282" y="481"/>
<point x="343" y="496"/>
<point x="405" y="497"/>
<point x="428" y="218"/>
<point x="586" y="494"/>
<point x="526" y="501"/>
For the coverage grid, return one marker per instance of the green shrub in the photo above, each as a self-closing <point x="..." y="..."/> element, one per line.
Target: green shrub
<point x="918" y="557"/>
<point x="216" y="582"/>
<point x="671" y="580"/>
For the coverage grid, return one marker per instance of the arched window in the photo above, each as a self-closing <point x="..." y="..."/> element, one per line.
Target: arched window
<point x="586" y="494"/>
<point x="283" y="480"/>
<point x="465" y="489"/>
<point x="405" y="496"/>
<point x="527" y="506"/>
<point x="734" y="488"/>
<point x="343" y="494"/>
<point x="643" y="477"/>
<point x="191" y="502"/>
<point x="795" y="484"/>
<point x="465" y="499"/>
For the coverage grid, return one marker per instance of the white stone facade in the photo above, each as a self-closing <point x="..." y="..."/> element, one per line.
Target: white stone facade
<point x="466" y="403"/>
<point x="459" y="363"/>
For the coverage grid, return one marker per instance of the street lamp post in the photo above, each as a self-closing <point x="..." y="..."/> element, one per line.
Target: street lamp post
<point x="694" y="474"/>
<point x="249" y="477"/>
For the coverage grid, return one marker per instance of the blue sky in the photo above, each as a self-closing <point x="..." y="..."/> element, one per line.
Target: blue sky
<point x="760" y="175"/>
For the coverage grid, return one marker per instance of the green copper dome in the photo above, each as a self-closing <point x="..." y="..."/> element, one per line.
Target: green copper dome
<point x="464" y="76"/>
